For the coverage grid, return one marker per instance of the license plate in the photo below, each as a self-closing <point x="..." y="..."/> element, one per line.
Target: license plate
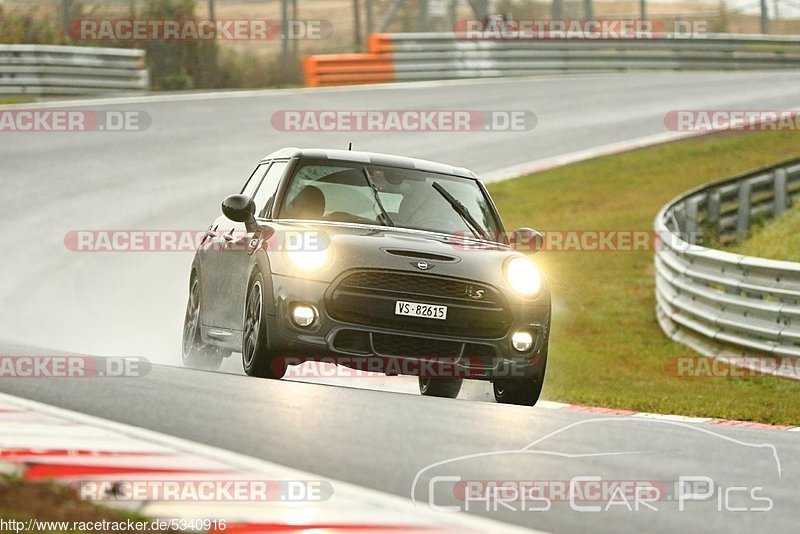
<point x="416" y="309"/>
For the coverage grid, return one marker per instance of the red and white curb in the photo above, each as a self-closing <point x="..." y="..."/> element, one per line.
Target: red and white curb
<point x="551" y="405"/>
<point x="42" y="442"/>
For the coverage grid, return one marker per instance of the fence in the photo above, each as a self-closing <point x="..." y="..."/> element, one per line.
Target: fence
<point x="438" y="56"/>
<point x="70" y="70"/>
<point x="723" y="304"/>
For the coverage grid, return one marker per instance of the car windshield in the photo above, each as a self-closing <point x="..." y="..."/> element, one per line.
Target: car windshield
<point x="389" y="196"/>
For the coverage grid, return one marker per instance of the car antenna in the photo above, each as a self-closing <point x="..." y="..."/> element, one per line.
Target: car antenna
<point x="350" y="146"/>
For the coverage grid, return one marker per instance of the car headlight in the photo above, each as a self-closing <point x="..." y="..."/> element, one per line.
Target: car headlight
<point x="307" y="251"/>
<point x="523" y="276"/>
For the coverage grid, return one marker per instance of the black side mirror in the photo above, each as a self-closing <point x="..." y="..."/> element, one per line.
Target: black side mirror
<point x="241" y="208"/>
<point x="526" y="240"/>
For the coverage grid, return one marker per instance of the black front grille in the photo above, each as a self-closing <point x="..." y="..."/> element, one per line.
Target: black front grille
<point x="369" y="297"/>
<point x="415" y="347"/>
<point x="367" y="343"/>
<point x="422" y="285"/>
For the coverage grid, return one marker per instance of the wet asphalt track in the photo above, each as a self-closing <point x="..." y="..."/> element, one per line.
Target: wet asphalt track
<point x="197" y="150"/>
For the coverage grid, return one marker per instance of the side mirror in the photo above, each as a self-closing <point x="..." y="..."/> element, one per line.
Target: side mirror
<point x="240" y="208"/>
<point x="526" y="240"/>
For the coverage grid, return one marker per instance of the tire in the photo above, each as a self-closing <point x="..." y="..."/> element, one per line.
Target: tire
<point x="256" y="358"/>
<point x="521" y="391"/>
<point x="193" y="352"/>
<point x="440" y="387"/>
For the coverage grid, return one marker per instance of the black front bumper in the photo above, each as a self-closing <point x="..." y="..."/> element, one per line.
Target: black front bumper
<point x="464" y="347"/>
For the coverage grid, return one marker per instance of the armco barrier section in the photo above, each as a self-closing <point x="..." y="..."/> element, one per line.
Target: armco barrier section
<point x="439" y="56"/>
<point x="70" y="70"/>
<point x="722" y="304"/>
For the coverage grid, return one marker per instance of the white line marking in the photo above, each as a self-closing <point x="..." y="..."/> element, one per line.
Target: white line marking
<point x="387" y="506"/>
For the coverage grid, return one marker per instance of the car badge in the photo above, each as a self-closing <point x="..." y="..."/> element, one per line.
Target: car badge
<point x="475" y="294"/>
<point x="422" y="265"/>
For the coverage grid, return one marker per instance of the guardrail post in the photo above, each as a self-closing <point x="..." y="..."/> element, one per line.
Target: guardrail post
<point x="690" y="225"/>
<point x="781" y="191"/>
<point x="743" y="213"/>
<point x="714" y="207"/>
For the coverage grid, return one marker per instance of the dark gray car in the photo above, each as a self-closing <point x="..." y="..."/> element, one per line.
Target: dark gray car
<point x="374" y="262"/>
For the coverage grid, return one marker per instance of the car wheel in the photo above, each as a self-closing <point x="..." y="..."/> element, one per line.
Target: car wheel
<point x="440" y="387"/>
<point x="522" y="391"/>
<point x="194" y="353"/>
<point x="256" y="358"/>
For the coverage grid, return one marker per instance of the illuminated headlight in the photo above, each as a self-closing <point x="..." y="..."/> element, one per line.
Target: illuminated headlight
<point x="304" y="315"/>
<point x="307" y="251"/>
<point x="523" y="276"/>
<point x="522" y="341"/>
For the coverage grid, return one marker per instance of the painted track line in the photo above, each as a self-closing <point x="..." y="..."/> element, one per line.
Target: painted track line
<point x="40" y="441"/>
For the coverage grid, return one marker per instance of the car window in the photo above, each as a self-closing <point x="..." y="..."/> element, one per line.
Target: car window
<point x="341" y="192"/>
<point x="269" y="185"/>
<point x="254" y="180"/>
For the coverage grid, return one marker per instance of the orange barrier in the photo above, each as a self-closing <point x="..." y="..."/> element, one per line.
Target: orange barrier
<point x="338" y="69"/>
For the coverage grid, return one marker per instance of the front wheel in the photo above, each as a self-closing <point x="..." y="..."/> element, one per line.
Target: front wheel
<point x="440" y="387"/>
<point x="521" y="391"/>
<point x="256" y="357"/>
<point x="194" y="353"/>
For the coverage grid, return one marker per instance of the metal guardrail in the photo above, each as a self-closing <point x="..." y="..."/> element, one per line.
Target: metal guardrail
<point x="722" y="304"/>
<point x="437" y="56"/>
<point x="70" y="70"/>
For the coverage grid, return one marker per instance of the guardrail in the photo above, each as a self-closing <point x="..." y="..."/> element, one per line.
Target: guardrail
<point x="439" y="56"/>
<point x="70" y="70"/>
<point x="722" y="304"/>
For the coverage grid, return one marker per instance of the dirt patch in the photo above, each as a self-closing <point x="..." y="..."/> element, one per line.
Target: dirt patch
<point x="47" y="501"/>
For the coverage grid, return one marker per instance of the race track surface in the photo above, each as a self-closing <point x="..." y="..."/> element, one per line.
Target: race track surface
<point x="198" y="150"/>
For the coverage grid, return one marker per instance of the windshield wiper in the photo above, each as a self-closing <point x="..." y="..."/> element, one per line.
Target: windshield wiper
<point x="384" y="214"/>
<point x="473" y="225"/>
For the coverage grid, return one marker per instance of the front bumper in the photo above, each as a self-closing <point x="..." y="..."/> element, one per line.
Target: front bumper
<point x="403" y="351"/>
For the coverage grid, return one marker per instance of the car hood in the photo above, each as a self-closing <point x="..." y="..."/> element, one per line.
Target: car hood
<point x="357" y="246"/>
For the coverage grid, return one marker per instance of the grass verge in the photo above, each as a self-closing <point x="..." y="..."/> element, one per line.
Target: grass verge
<point x="57" y="509"/>
<point x="777" y="239"/>
<point x="7" y="100"/>
<point x="606" y="348"/>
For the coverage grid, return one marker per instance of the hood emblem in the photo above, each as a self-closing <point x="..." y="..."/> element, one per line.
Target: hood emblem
<point x="422" y="265"/>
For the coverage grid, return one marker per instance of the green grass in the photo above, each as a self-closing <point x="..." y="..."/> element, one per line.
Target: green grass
<point x="606" y="348"/>
<point x="6" y="100"/>
<point x="777" y="239"/>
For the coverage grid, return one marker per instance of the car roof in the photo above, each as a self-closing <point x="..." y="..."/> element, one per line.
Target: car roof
<point x="374" y="158"/>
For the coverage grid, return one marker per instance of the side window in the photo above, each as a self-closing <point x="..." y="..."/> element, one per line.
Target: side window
<point x="254" y="180"/>
<point x="265" y="195"/>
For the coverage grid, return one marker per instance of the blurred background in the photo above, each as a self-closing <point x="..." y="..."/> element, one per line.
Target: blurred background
<point x="278" y="62"/>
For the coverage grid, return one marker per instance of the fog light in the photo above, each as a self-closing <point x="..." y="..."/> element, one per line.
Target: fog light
<point x="522" y="341"/>
<point x="304" y="315"/>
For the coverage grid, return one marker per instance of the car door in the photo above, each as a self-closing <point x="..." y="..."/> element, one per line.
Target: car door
<point x="235" y="261"/>
<point x="213" y="249"/>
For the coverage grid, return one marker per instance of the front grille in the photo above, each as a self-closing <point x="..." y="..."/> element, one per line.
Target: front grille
<point x="419" y="284"/>
<point x="405" y="346"/>
<point x="415" y="347"/>
<point x="368" y="298"/>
